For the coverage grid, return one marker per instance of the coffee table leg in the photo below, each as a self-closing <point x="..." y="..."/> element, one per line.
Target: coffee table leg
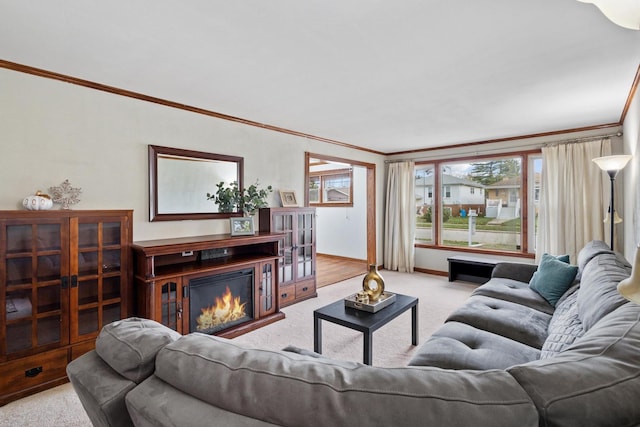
<point x="414" y="324"/>
<point x="368" y="348"/>
<point x="317" y="335"/>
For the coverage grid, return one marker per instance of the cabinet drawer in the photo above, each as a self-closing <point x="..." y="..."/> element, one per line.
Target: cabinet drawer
<point x="32" y="371"/>
<point x="305" y="289"/>
<point x="287" y="294"/>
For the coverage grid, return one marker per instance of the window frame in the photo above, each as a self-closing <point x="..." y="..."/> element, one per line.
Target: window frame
<point x="325" y="175"/>
<point x="527" y="192"/>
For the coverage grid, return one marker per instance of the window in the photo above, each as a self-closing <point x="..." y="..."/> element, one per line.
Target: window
<point x="535" y="178"/>
<point x="480" y="204"/>
<point x="424" y="178"/>
<point x="331" y="187"/>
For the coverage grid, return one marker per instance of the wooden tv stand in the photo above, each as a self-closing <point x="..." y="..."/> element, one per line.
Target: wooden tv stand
<point x="164" y="267"/>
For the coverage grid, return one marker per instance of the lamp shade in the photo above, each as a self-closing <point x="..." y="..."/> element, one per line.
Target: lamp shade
<point x="625" y="13"/>
<point x="612" y="163"/>
<point x="630" y="287"/>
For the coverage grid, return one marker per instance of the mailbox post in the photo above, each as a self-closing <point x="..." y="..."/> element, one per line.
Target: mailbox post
<point x="472" y="225"/>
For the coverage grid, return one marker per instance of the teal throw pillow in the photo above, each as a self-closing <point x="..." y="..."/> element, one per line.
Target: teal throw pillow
<point x="553" y="278"/>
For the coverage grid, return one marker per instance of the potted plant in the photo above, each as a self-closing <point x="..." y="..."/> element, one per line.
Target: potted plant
<point x="245" y="200"/>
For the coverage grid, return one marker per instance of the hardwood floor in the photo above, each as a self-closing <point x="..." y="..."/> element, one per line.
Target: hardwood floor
<point x="332" y="269"/>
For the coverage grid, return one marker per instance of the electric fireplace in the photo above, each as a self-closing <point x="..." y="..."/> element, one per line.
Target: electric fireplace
<point x="221" y="301"/>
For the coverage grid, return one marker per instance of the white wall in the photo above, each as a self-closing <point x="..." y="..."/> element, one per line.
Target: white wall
<point x="336" y="223"/>
<point x="51" y="131"/>
<point x="631" y="179"/>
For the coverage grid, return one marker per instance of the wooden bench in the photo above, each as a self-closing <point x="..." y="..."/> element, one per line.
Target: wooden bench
<point x="470" y="269"/>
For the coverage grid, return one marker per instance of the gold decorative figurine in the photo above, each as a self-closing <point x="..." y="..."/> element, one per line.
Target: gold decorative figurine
<point x="373" y="284"/>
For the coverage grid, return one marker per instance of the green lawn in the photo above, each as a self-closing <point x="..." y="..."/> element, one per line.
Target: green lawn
<point x="482" y="223"/>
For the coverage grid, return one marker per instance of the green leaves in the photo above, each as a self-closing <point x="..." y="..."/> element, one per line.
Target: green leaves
<point x="246" y="200"/>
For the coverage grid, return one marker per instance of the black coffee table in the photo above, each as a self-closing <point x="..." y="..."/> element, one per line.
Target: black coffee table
<point x="364" y="321"/>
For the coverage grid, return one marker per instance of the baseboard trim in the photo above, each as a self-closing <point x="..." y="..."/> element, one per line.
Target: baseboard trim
<point x="434" y="272"/>
<point x="338" y="257"/>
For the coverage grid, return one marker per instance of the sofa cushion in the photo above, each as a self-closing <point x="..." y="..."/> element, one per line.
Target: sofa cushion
<point x="514" y="270"/>
<point x="460" y="346"/>
<point x="154" y="403"/>
<point x="595" y="381"/>
<point x="129" y="346"/>
<point x="289" y="389"/>
<point x="598" y="294"/>
<point x="101" y="390"/>
<point x="514" y="291"/>
<point x="553" y="278"/>
<point x="590" y="251"/>
<point x="564" y="328"/>
<point x="511" y="320"/>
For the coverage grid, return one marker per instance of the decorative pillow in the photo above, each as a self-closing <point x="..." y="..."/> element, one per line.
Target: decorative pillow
<point x="553" y="278"/>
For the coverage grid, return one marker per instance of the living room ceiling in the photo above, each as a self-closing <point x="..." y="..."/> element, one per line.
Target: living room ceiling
<point x="387" y="76"/>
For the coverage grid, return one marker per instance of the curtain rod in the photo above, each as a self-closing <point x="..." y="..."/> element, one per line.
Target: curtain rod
<point x="583" y="139"/>
<point x="530" y="146"/>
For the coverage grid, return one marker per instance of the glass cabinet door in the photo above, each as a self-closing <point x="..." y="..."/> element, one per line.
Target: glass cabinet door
<point x="96" y="275"/>
<point x="305" y="247"/>
<point x="284" y="223"/>
<point x="170" y="303"/>
<point x="34" y="286"/>
<point x="266" y="288"/>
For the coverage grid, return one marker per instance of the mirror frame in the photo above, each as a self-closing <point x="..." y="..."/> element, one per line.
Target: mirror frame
<point x="154" y="215"/>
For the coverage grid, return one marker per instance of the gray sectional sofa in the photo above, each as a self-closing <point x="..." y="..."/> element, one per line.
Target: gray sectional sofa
<point x="508" y="357"/>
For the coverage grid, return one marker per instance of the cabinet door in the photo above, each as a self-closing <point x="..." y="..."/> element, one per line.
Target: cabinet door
<point x="305" y="246"/>
<point x="34" y="298"/>
<point x="267" y="292"/>
<point x="98" y="274"/>
<point x="284" y="223"/>
<point x="169" y="304"/>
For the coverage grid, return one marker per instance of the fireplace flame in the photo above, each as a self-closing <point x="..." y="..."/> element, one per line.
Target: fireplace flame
<point x="226" y="309"/>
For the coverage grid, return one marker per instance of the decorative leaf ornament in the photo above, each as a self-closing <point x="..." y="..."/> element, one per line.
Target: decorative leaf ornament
<point x="65" y="194"/>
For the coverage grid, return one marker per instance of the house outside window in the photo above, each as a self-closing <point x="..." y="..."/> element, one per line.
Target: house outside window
<point x="491" y="189"/>
<point x="333" y="187"/>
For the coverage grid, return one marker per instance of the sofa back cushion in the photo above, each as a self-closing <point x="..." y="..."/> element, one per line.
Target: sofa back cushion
<point x="130" y="346"/>
<point x="590" y="251"/>
<point x="290" y="389"/>
<point x="565" y="325"/>
<point x="598" y="294"/>
<point x="594" y="381"/>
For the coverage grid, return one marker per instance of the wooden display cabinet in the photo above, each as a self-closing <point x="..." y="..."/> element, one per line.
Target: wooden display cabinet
<point x="297" y="253"/>
<point x="63" y="276"/>
<point x="165" y="268"/>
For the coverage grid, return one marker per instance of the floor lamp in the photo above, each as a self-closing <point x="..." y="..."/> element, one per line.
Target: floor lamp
<point x="612" y="165"/>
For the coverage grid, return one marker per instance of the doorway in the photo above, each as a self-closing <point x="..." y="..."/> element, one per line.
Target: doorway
<point x="332" y="191"/>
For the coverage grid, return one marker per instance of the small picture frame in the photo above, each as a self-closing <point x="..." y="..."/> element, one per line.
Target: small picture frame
<point x="241" y="226"/>
<point x="288" y="198"/>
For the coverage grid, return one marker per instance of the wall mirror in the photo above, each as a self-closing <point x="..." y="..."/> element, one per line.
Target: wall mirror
<point x="179" y="181"/>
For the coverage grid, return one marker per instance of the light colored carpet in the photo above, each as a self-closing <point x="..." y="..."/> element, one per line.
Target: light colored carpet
<point x="391" y="343"/>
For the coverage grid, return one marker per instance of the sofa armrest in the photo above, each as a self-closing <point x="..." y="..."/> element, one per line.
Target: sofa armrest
<point x="514" y="270"/>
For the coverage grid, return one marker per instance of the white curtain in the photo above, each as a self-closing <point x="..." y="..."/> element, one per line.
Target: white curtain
<point x="574" y="196"/>
<point x="400" y="218"/>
